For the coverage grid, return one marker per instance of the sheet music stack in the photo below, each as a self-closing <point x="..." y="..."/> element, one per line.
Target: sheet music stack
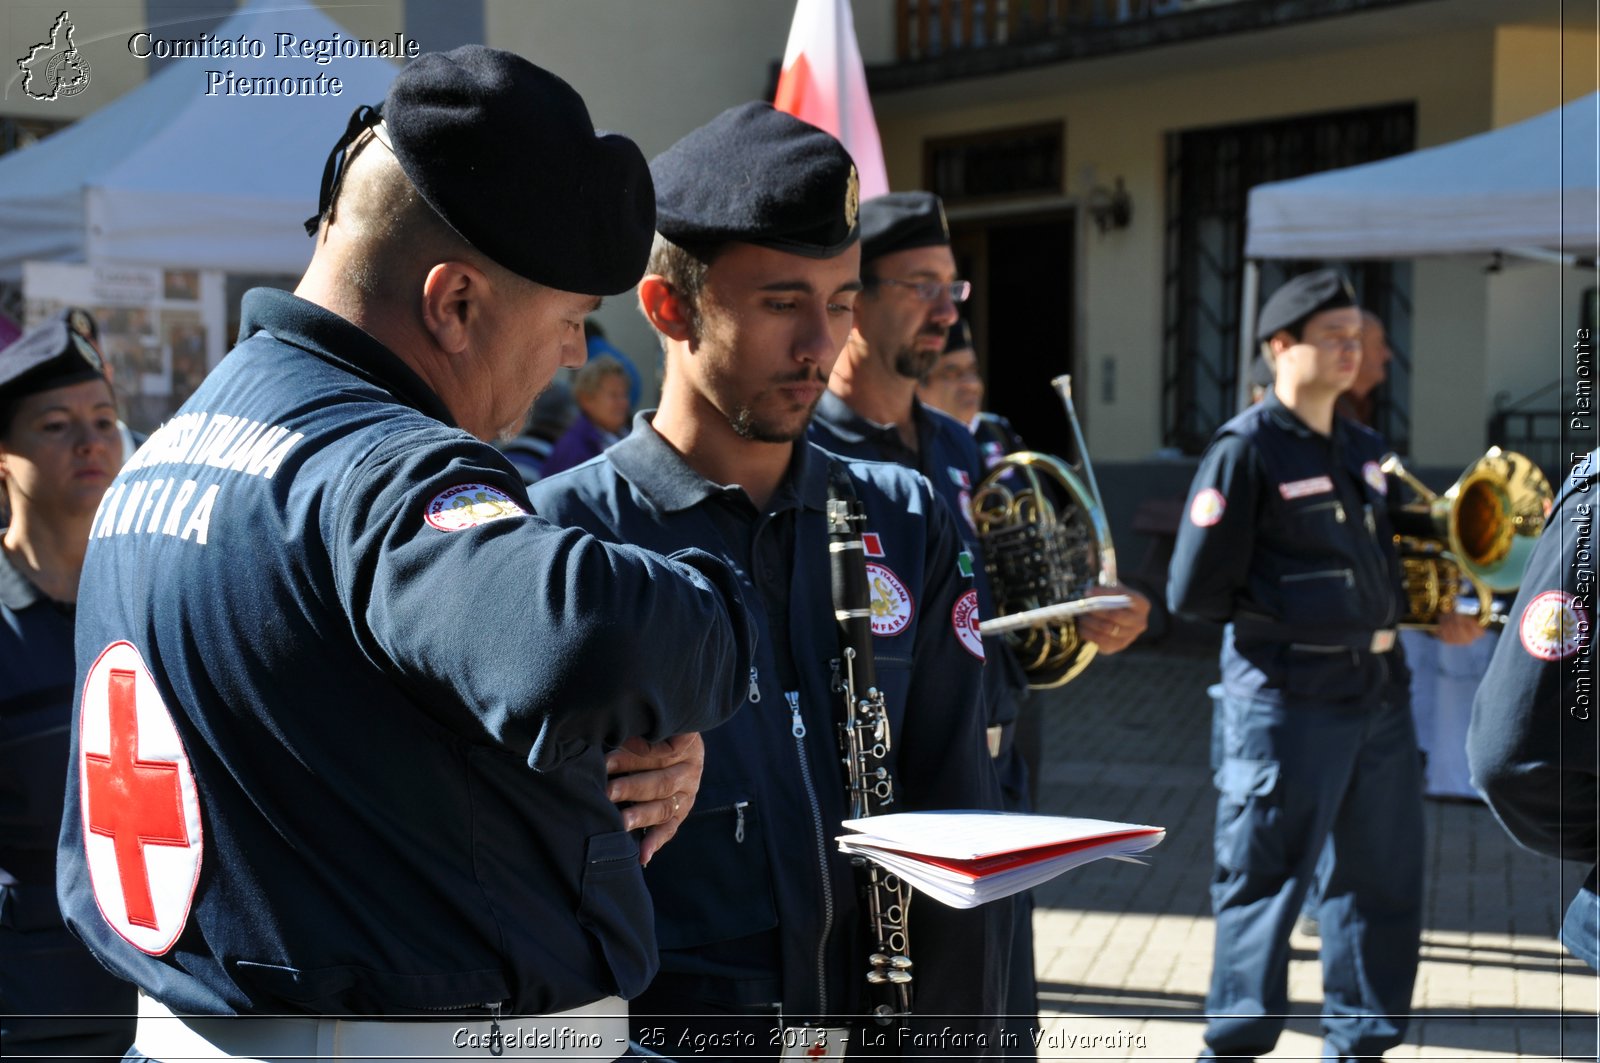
<point x="966" y="858"/>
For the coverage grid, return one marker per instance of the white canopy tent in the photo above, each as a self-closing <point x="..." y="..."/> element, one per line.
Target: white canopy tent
<point x="1535" y="184"/>
<point x="1529" y="189"/>
<point x="167" y="175"/>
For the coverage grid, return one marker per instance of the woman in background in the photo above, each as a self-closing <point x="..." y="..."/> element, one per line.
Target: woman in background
<point x="601" y="391"/>
<point x="59" y="450"/>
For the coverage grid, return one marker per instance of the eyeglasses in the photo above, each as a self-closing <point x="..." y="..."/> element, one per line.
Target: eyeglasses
<point x="930" y="291"/>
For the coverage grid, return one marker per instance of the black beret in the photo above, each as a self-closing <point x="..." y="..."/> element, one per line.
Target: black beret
<point x="901" y="221"/>
<point x="959" y="338"/>
<point x="1294" y="303"/>
<point x="52" y="354"/>
<point x="506" y="154"/>
<point x="755" y="175"/>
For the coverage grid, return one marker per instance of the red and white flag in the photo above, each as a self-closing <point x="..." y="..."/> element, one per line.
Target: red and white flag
<point x="824" y="83"/>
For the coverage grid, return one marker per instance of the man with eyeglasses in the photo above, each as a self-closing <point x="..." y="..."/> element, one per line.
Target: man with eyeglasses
<point x="902" y="319"/>
<point x="1287" y="540"/>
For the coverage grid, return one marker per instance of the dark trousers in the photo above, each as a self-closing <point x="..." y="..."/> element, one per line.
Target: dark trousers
<point x="1290" y="779"/>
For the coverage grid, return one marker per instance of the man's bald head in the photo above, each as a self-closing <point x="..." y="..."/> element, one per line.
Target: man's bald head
<point x="382" y="233"/>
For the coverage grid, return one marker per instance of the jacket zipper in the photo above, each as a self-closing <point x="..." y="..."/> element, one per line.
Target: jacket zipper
<point x="797" y="727"/>
<point x="737" y="808"/>
<point x="1348" y="574"/>
<point x="1336" y="505"/>
<point x="754" y="694"/>
<point x="497" y="1046"/>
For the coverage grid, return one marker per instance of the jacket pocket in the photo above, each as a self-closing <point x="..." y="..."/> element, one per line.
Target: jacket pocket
<point x="712" y="881"/>
<point x="614" y="899"/>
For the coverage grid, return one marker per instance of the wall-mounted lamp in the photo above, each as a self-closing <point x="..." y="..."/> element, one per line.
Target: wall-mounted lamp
<point x="1110" y="208"/>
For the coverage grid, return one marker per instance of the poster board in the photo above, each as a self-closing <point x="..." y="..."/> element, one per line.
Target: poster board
<point x="161" y="330"/>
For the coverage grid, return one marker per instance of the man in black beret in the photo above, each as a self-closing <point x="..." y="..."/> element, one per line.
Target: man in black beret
<point x="762" y="922"/>
<point x="1288" y="541"/>
<point x="346" y="708"/>
<point x="872" y="412"/>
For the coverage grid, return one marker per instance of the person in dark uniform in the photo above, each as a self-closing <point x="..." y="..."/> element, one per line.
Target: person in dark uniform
<point x="871" y="412"/>
<point x="1533" y="743"/>
<point x="346" y="708"/>
<point x="954" y="386"/>
<point x="59" y="449"/>
<point x="1287" y="540"/>
<point x="751" y="285"/>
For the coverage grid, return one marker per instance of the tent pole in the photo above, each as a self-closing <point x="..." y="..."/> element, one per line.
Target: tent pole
<point x="1249" y="295"/>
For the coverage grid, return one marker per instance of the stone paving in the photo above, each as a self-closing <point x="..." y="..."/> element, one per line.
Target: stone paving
<point x="1124" y="952"/>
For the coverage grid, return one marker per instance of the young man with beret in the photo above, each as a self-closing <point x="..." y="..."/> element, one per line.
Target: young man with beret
<point x="344" y="704"/>
<point x="751" y="286"/>
<point x="1287" y="540"/>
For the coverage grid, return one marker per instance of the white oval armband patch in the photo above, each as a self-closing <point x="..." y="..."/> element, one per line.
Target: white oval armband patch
<point x="1554" y="626"/>
<point x="469" y="505"/>
<point x="892" y="606"/>
<point x="964" y="618"/>
<point x="1207" y="508"/>
<point x="140" y="807"/>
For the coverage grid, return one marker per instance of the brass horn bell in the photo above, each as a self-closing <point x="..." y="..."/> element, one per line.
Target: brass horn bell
<point x="1046" y="544"/>
<point x="1482" y="530"/>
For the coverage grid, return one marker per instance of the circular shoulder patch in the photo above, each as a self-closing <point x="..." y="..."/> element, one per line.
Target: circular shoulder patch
<point x="1372" y="472"/>
<point x="1554" y="626"/>
<point x="469" y="505"/>
<point x="1207" y="508"/>
<point x="892" y="606"/>
<point x="964" y="618"/>
<point x="140" y="808"/>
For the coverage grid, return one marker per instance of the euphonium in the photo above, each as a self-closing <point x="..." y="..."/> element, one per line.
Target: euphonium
<point x="1046" y="543"/>
<point x="1481" y="531"/>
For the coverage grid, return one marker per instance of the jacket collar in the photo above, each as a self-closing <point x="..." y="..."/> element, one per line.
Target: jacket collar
<point x="1289" y="421"/>
<point x="851" y="427"/>
<point x="16" y="592"/>
<point x="657" y="471"/>
<point x="319" y="331"/>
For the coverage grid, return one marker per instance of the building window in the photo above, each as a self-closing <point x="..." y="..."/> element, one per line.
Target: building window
<point x="1002" y="164"/>
<point x="1209" y="176"/>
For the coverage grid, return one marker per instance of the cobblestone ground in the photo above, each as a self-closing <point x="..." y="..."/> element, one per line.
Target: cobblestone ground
<point x="1124" y="952"/>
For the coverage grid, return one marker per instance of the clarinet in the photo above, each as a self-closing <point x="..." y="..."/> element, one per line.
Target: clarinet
<point x="864" y="742"/>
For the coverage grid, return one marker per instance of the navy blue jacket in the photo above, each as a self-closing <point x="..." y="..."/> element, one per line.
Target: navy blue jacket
<point x="35" y="711"/>
<point x="1534" y="743"/>
<point x="1287" y="539"/>
<point x="754" y="904"/>
<point x="393" y="690"/>
<point x="948" y="457"/>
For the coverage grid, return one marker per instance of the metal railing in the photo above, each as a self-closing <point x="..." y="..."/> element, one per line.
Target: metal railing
<point x="928" y="28"/>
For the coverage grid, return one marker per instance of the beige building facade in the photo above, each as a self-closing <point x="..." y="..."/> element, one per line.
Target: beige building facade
<point x="656" y="68"/>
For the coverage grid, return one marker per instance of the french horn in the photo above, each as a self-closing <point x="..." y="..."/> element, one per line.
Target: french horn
<point x="1046" y="544"/>
<point x="1480" y="532"/>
